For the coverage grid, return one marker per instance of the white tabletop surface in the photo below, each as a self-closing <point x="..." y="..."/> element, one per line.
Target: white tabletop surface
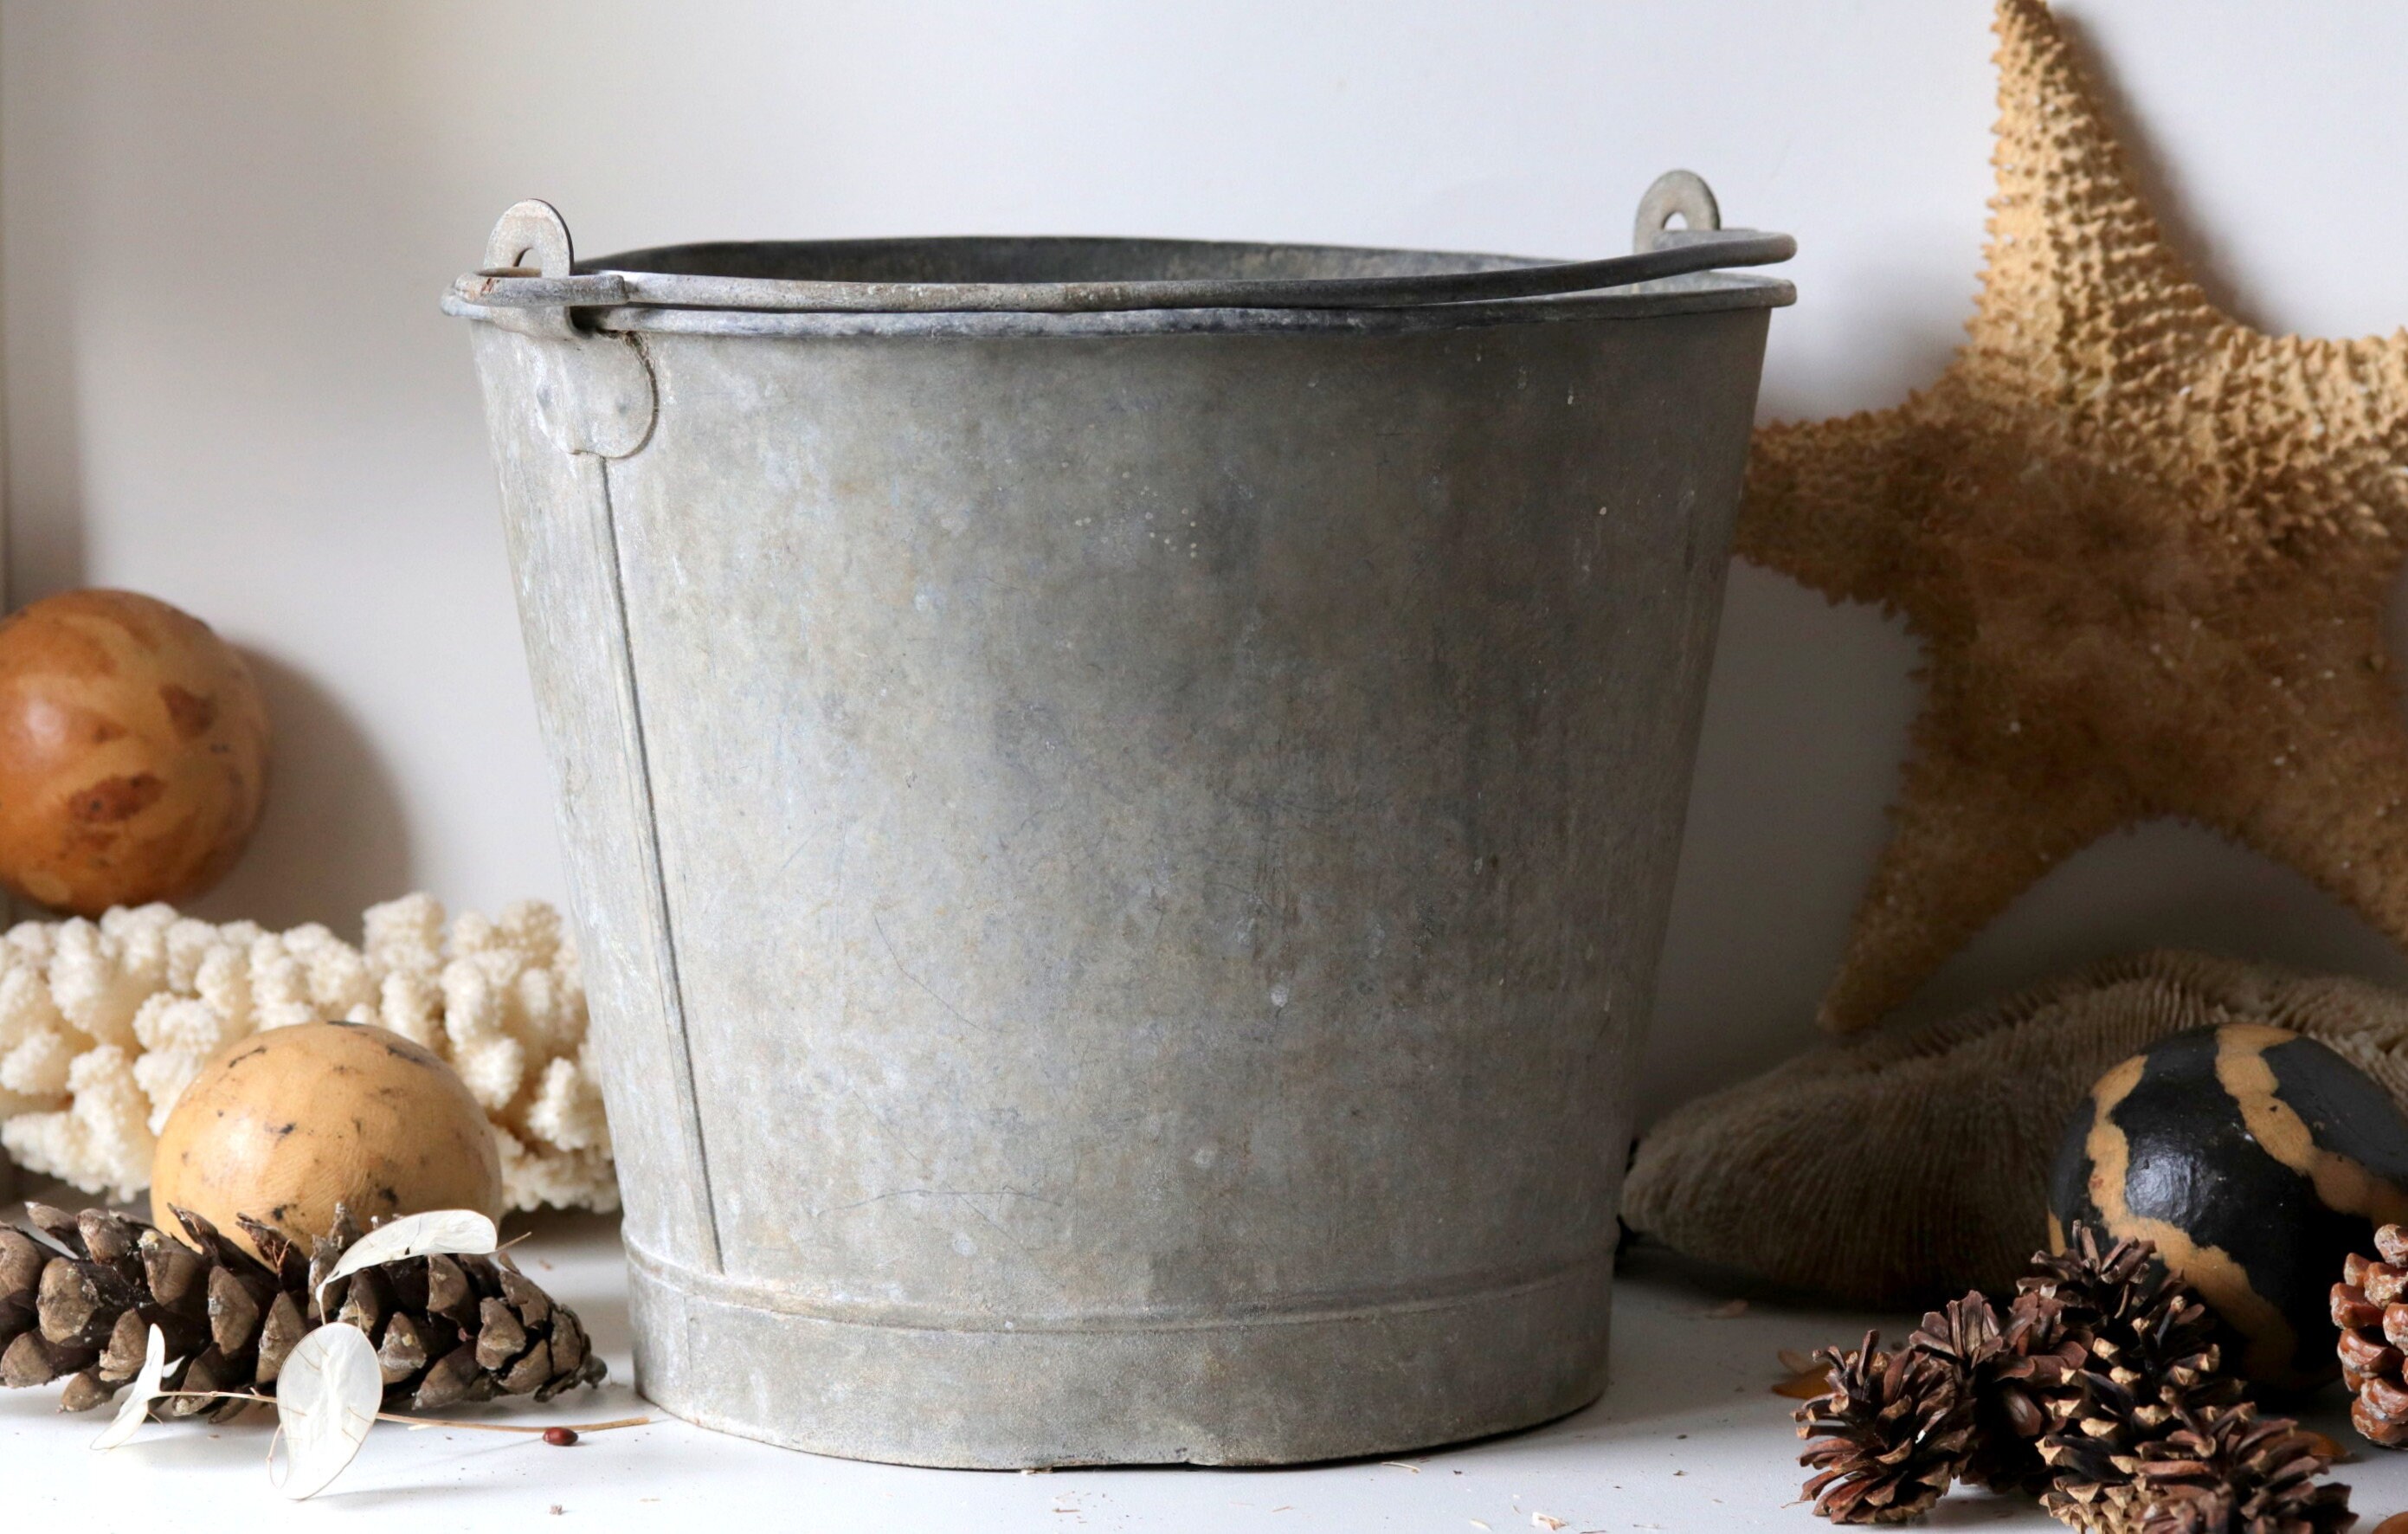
<point x="1689" y="1437"/>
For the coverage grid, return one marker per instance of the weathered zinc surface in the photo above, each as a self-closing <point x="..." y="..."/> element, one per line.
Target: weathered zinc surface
<point x="1121" y="853"/>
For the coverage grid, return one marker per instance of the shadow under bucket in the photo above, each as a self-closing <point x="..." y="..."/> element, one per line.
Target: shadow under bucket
<point x="1119" y="800"/>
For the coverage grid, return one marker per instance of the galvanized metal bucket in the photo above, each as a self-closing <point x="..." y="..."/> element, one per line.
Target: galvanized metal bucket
<point x="1120" y="798"/>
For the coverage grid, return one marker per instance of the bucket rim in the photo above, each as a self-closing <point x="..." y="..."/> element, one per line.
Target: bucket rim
<point x="958" y="274"/>
<point x="1672" y="297"/>
<point x="1017" y="284"/>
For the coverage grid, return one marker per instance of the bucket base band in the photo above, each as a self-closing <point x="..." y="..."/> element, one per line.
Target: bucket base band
<point x="1244" y="1391"/>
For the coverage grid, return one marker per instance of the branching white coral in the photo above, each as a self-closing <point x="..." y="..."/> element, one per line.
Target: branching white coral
<point x="104" y="1132"/>
<point x="104" y="1023"/>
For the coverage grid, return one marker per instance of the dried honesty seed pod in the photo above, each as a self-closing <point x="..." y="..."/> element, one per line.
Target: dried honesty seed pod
<point x="445" y="1326"/>
<point x="328" y="1404"/>
<point x="146" y="1385"/>
<point x="444" y="1231"/>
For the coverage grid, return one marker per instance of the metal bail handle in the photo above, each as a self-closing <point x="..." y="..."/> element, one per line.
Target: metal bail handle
<point x="510" y="284"/>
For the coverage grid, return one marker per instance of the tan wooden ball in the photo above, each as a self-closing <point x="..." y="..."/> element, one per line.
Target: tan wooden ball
<point x="133" y="752"/>
<point x="286" y="1123"/>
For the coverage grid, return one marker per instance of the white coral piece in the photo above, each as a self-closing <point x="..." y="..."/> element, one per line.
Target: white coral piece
<point x="101" y="1141"/>
<point x="104" y="1025"/>
<point x="567" y="1180"/>
<point x="334" y="973"/>
<point x="26" y="1009"/>
<point x="98" y="984"/>
<point x="411" y="1004"/>
<point x="38" y="1069"/>
<point x="485" y="1051"/>
<point x="223" y="981"/>
<point x="567" y="1109"/>
<point x="279" y="986"/>
<point x="34" y="941"/>
<point x="405" y="936"/>
<point x="532" y="928"/>
<point x="190" y="943"/>
<point x="179" y="1034"/>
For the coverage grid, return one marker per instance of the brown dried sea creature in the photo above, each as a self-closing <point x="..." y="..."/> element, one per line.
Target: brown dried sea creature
<point x="1901" y="1168"/>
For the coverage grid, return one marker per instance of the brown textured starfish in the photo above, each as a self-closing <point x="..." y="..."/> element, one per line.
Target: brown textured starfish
<point x="2145" y="547"/>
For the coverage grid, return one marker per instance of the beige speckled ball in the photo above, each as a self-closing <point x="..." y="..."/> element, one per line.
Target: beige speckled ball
<point x="285" y="1125"/>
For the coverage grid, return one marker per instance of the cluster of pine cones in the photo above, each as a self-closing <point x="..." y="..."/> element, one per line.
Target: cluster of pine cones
<point x="80" y="1307"/>
<point x="2100" y="1390"/>
<point x="2369" y="1305"/>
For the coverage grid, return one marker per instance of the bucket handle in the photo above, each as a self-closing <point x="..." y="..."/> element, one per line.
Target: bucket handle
<point x="1660" y="252"/>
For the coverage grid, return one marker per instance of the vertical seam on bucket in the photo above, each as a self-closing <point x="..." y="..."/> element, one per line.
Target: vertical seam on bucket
<point x="673" y="984"/>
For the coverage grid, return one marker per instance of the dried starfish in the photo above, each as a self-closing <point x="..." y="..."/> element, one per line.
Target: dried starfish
<point x="2145" y="547"/>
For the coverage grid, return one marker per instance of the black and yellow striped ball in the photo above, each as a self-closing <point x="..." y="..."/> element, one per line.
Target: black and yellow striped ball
<point x="2257" y="1160"/>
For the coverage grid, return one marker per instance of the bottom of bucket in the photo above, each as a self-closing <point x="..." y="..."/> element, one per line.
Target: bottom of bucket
<point x="1243" y="1391"/>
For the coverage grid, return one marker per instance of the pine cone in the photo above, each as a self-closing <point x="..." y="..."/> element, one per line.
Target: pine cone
<point x="2150" y="1353"/>
<point x="2228" y="1471"/>
<point x="2369" y="1305"/>
<point x="2005" y="1373"/>
<point x="447" y="1329"/>
<point x="1889" y="1436"/>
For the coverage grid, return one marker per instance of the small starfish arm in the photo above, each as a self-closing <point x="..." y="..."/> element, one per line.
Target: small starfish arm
<point x="1969" y="832"/>
<point x="1822" y="503"/>
<point x="2079" y="293"/>
<point x="2084" y="304"/>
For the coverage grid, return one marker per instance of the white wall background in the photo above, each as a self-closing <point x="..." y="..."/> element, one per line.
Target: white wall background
<point x="224" y="227"/>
